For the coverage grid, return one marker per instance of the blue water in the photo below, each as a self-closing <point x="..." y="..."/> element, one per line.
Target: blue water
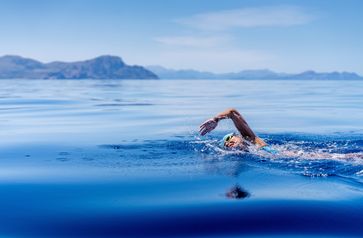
<point x="124" y="158"/>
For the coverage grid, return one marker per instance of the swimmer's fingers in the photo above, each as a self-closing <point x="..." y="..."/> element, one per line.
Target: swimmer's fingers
<point x="203" y="130"/>
<point x="207" y="126"/>
<point x="204" y="124"/>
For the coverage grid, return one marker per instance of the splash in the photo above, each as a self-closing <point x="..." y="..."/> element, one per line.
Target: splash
<point x="309" y="155"/>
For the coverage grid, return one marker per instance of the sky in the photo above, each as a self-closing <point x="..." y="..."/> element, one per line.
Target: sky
<point x="209" y="35"/>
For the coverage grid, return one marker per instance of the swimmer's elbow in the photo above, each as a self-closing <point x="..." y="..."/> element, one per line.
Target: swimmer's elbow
<point x="232" y="111"/>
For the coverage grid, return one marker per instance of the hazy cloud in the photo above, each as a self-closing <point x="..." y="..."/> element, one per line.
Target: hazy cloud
<point x="193" y="41"/>
<point x="278" y="16"/>
<point x="210" y="50"/>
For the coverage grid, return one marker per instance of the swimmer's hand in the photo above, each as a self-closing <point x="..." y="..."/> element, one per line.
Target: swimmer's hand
<point x="208" y="126"/>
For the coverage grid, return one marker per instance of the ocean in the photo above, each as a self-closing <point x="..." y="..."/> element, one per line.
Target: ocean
<point x="123" y="158"/>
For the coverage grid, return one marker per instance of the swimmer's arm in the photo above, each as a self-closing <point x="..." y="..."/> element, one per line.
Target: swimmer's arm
<point x="241" y="125"/>
<point x="237" y="119"/>
<point x="239" y="122"/>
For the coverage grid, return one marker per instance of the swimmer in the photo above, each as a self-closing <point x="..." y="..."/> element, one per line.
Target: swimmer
<point x="246" y="136"/>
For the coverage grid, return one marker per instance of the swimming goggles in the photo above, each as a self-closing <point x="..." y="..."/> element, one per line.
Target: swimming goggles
<point x="227" y="138"/>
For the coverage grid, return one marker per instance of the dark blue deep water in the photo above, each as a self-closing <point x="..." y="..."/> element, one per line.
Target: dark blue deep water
<point x="90" y="158"/>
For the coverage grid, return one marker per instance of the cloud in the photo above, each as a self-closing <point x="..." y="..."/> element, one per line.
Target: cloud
<point x="278" y="16"/>
<point x="209" y="49"/>
<point x="193" y="41"/>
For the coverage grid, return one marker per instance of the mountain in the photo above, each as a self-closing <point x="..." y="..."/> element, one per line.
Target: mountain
<point x="332" y="75"/>
<point x="253" y="74"/>
<point x="165" y="73"/>
<point x="102" y="67"/>
<point x="112" y="67"/>
<point x="179" y="74"/>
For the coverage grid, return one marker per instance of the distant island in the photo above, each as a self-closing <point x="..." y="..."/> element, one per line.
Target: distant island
<point x="102" y="67"/>
<point x="165" y="73"/>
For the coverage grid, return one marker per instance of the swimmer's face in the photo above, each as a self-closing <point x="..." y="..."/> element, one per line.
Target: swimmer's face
<point x="233" y="141"/>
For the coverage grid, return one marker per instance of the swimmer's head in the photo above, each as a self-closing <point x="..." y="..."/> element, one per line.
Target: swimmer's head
<point x="231" y="140"/>
<point x="227" y="137"/>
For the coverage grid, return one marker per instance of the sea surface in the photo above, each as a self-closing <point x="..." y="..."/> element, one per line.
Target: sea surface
<point x="123" y="158"/>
